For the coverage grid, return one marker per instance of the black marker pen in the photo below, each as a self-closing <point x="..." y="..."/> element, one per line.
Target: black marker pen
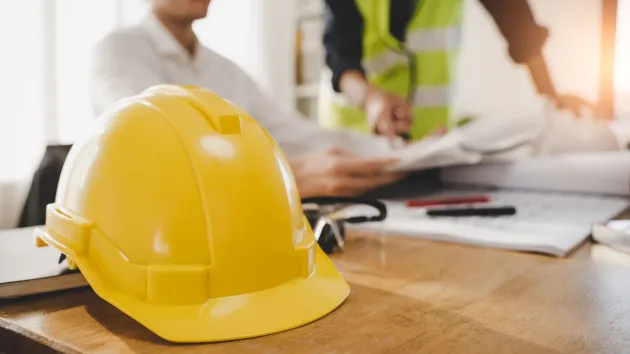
<point x="462" y="212"/>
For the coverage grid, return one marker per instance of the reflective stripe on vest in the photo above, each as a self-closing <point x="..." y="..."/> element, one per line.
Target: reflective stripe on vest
<point x="384" y="62"/>
<point x="432" y="96"/>
<point x="419" y="40"/>
<point x="434" y="39"/>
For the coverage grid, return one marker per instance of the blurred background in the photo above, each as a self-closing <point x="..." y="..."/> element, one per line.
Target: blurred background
<point x="279" y="42"/>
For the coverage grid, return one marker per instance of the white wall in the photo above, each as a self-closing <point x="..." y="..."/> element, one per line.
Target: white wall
<point x="490" y="84"/>
<point x="12" y="197"/>
<point x="260" y="37"/>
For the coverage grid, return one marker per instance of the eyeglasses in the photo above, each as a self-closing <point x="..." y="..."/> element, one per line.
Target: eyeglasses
<point x="330" y="231"/>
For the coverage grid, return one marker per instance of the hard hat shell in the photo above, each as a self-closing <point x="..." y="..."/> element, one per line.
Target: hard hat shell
<point x="181" y="211"/>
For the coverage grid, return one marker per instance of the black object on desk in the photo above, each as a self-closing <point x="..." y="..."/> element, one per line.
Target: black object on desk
<point x="43" y="188"/>
<point x="405" y="136"/>
<point x="327" y="240"/>
<point x="332" y="234"/>
<point x="462" y="212"/>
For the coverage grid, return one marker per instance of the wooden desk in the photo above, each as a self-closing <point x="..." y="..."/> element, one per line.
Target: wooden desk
<point x="408" y="296"/>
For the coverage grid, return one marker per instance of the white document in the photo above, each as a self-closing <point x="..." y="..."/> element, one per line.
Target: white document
<point x="597" y="172"/>
<point x="503" y="140"/>
<point x="549" y="223"/>
<point x="434" y="152"/>
<point x="491" y="139"/>
<point x="469" y="145"/>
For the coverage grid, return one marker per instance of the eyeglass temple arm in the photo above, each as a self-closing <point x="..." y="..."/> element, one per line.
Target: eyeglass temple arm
<point x="378" y="205"/>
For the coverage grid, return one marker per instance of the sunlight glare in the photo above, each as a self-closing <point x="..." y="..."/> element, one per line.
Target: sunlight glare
<point x="622" y="57"/>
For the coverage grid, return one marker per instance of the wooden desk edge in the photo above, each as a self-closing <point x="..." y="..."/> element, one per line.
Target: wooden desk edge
<point x="17" y="339"/>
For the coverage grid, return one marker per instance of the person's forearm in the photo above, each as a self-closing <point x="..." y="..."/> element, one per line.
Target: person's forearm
<point x="544" y="85"/>
<point x="355" y="87"/>
<point x="540" y="75"/>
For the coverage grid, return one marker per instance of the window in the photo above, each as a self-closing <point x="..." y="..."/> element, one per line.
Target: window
<point x="79" y="24"/>
<point x="622" y="56"/>
<point x="44" y="71"/>
<point x="44" y="91"/>
<point x="622" y="61"/>
<point x="21" y="92"/>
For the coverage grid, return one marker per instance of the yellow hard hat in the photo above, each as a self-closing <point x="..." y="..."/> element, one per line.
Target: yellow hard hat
<point x="181" y="211"/>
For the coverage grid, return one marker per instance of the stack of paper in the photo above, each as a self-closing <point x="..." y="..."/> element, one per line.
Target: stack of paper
<point x="561" y="174"/>
<point x="558" y="199"/>
<point x="550" y="223"/>
<point x="505" y="140"/>
<point x="490" y="139"/>
<point x="598" y="172"/>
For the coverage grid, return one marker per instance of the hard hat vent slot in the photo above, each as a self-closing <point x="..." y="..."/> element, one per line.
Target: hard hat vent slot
<point x="60" y="211"/>
<point x="222" y="116"/>
<point x="223" y="122"/>
<point x="230" y="124"/>
<point x="69" y="226"/>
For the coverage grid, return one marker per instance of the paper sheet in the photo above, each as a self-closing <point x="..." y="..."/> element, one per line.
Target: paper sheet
<point x="434" y="152"/>
<point x="598" y="172"/>
<point x="550" y="223"/>
<point x="502" y="140"/>
<point x="471" y="145"/>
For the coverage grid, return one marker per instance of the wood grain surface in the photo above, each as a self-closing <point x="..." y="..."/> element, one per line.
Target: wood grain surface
<point x="408" y="296"/>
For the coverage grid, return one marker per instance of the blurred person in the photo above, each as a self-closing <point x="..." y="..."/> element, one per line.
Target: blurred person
<point x="392" y="62"/>
<point x="163" y="49"/>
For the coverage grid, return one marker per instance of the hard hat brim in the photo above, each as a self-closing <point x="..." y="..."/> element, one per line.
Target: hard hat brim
<point x="265" y="312"/>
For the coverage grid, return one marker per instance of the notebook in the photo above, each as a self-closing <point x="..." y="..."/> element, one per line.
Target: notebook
<point x="552" y="223"/>
<point x="558" y="200"/>
<point x="591" y="173"/>
<point x="26" y="269"/>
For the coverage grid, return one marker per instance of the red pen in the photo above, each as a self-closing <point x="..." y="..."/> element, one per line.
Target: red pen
<point x="447" y="201"/>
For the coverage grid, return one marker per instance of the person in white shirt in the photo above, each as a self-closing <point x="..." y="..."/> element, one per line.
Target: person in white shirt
<point x="163" y="49"/>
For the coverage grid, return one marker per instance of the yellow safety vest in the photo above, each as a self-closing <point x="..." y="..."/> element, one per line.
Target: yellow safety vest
<point x="421" y="69"/>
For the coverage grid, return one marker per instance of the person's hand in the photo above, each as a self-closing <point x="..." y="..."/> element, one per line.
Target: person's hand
<point x="336" y="172"/>
<point x="387" y="113"/>
<point x="575" y="104"/>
